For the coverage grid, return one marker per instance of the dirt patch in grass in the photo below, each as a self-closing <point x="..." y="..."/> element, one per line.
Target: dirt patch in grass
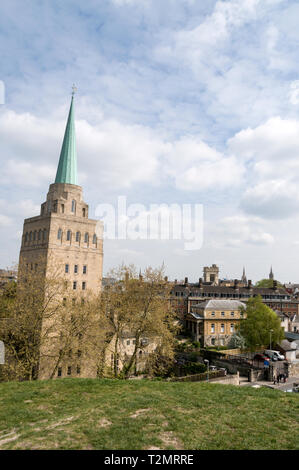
<point x="104" y="423"/>
<point x="140" y="412"/>
<point x="169" y="439"/>
<point x="11" y="436"/>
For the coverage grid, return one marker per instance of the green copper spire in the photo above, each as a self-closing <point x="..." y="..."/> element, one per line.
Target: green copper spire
<point x="67" y="167"/>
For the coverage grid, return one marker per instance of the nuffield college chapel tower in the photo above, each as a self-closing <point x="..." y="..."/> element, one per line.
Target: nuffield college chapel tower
<point x="64" y="237"/>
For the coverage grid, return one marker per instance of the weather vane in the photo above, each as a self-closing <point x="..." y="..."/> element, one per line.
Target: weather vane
<point x="74" y="89"/>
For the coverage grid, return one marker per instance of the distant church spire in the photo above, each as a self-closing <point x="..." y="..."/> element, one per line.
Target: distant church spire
<point x="244" y="279"/>
<point x="271" y="275"/>
<point x="67" y="167"/>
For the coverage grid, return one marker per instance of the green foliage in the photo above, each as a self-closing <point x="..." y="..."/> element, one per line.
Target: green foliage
<point x="193" y="368"/>
<point x="259" y="321"/>
<point x="237" y="341"/>
<point x="268" y="283"/>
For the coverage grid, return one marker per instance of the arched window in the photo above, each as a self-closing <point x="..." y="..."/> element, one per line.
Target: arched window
<point x="59" y="234"/>
<point x="77" y="236"/>
<point x="39" y="234"/>
<point x="68" y="235"/>
<point x="94" y="239"/>
<point x="86" y="237"/>
<point x="34" y="235"/>
<point x="73" y="205"/>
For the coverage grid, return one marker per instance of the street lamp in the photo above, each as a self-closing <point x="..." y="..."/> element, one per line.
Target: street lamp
<point x="271" y="331"/>
<point x="208" y="365"/>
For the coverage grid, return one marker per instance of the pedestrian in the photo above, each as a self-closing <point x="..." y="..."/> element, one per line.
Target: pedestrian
<point x="274" y="380"/>
<point x="278" y="378"/>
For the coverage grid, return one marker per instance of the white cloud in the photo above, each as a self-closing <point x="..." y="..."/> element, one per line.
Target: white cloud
<point x="238" y="231"/>
<point x="195" y="166"/>
<point x="274" y="199"/>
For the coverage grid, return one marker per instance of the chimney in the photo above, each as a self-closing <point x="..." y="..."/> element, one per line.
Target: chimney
<point x="186" y="281"/>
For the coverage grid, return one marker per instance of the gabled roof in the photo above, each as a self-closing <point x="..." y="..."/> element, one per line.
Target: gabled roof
<point x="221" y="304"/>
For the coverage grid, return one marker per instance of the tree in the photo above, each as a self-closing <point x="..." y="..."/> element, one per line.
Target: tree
<point x="237" y="341"/>
<point x="44" y="324"/>
<point x="139" y="305"/>
<point x="267" y="283"/>
<point x="259" y="325"/>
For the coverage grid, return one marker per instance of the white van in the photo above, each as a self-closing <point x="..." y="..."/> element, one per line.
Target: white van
<point x="274" y="355"/>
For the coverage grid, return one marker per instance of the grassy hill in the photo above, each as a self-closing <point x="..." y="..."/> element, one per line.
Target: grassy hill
<point x="141" y="414"/>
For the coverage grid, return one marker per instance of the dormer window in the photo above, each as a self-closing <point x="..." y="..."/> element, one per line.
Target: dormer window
<point x="73" y="206"/>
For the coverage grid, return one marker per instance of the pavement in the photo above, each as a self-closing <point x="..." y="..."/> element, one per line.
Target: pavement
<point x="288" y="385"/>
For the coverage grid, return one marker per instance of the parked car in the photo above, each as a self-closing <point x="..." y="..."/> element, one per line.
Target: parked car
<point x="260" y="357"/>
<point x="274" y="355"/>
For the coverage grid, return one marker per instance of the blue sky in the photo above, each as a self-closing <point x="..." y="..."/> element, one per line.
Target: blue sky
<point x="179" y="101"/>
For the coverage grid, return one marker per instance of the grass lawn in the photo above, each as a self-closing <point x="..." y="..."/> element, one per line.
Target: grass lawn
<point x="141" y="414"/>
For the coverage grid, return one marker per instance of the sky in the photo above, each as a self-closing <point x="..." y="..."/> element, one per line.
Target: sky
<point x="178" y="102"/>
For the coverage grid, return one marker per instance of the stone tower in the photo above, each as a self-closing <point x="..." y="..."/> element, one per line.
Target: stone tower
<point x="211" y="274"/>
<point x="63" y="231"/>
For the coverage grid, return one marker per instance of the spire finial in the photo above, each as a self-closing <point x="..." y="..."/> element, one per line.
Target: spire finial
<point x="74" y="89"/>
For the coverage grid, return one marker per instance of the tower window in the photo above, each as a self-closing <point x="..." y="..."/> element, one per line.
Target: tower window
<point x="83" y="212"/>
<point x="59" y="234"/>
<point x="40" y="234"/>
<point x="84" y="269"/>
<point x="77" y="236"/>
<point x="68" y="235"/>
<point x="73" y="206"/>
<point x="83" y="285"/>
<point x="94" y="240"/>
<point x="66" y="268"/>
<point x="76" y="269"/>
<point x="74" y="285"/>
<point x="62" y="208"/>
<point x="26" y="237"/>
<point x="86" y="238"/>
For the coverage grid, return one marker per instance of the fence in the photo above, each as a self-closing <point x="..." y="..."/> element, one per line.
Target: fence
<point x="199" y="377"/>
